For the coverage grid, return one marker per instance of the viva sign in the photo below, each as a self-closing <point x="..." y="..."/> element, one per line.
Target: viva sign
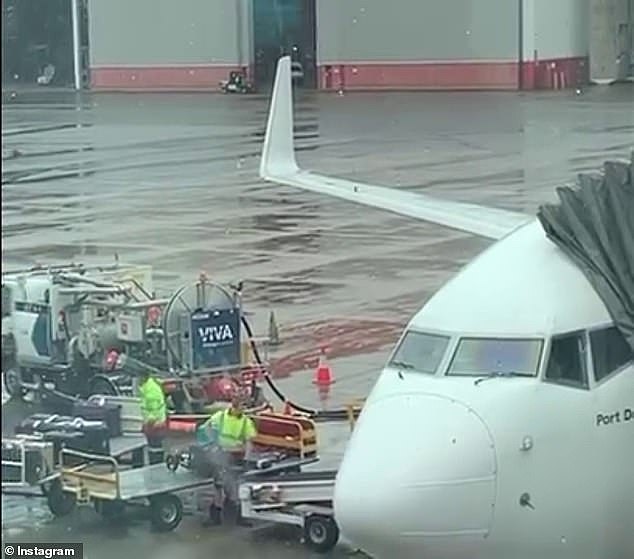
<point x="215" y="338"/>
<point x="211" y="335"/>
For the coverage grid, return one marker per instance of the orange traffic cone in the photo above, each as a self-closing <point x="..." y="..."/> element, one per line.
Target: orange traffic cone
<point x="323" y="373"/>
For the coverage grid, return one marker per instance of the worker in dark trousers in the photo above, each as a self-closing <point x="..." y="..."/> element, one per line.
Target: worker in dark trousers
<point x="233" y="430"/>
<point x="154" y="415"/>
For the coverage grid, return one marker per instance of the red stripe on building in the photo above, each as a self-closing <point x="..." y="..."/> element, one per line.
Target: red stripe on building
<point x="464" y="75"/>
<point x="545" y="74"/>
<point x="159" y="78"/>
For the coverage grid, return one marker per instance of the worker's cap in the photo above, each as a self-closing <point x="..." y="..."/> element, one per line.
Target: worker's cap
<point x="113" y="360"/>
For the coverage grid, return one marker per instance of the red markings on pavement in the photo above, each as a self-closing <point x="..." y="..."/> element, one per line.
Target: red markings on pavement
<point x="341" y="338"/>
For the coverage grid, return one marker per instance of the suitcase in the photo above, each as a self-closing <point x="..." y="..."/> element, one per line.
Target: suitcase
<point x="43" y="423"/>
<point x="95" y="441"/>
<point x="109" y="413"/>
<point x="39" y="423"/>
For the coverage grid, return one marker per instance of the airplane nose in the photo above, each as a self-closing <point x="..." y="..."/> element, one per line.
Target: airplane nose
<point x="417" y="478"/>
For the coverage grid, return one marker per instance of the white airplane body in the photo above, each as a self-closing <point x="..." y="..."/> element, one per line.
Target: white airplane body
<point x="449" y="461"/>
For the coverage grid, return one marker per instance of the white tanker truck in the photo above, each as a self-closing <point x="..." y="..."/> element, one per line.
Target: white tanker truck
<point x="62" y="325"/>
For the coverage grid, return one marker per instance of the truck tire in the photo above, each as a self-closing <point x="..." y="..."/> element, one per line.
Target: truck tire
<point x="59" y="502"/>
<point x="321" y="533"/>
<point x="166" y="512"/>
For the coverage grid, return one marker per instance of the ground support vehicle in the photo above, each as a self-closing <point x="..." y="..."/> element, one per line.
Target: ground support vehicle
<point x="284" y="445"/>
<point x="237" y="83"/>
<point x="80" y="330"/>
<point x="302" y="499"/>
<point x="101" y="481"/>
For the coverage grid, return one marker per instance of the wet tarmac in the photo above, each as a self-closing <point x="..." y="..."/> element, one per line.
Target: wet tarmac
<point x="29" y="520"/>
<point x="171" y="180"/>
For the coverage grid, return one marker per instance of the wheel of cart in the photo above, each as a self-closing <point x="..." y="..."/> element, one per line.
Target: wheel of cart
<point x="166" y="512"/>
<point x="59" y="502"/>
<point x="321" y="532"/>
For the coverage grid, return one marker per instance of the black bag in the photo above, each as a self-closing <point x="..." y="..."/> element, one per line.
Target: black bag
<point x="26" y="426"/>
<point x="44" y="423"/>
<point x="94" y="441"/>
<point x="40" y="423"/>
<point x="108" y="413"/>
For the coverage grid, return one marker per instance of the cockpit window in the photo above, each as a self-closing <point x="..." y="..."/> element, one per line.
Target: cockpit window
<point x="610" y="351"/>
<point x="567" y="363"/>
<point x="484" y="356"/>
<point x="420" y="352"/>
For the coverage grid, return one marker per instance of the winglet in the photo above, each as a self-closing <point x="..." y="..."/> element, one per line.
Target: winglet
<point x="278" y="153"/>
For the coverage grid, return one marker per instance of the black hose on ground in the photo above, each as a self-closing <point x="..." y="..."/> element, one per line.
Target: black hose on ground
<point x="317" y="415"/>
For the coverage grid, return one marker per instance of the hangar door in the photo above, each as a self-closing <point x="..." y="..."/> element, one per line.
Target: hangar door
<point x="285" y="27"/>
<point x="37" y="42"/>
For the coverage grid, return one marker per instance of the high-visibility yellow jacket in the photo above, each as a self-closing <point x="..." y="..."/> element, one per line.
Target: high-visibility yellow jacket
<point x="231" y="431"/>
<point x="153" y="408"/>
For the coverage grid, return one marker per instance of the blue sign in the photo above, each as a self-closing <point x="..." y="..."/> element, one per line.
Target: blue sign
<point x="216" y="339"/>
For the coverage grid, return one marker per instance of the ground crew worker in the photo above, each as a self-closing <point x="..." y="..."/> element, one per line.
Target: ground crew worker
<point x="232" y="428"/>
<point x="154" y="415"/>
<point x="233" y="432"/>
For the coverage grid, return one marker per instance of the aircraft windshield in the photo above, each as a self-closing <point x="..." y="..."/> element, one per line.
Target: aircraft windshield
<point x="420" y="352"/>
<point x="483" y="356"/>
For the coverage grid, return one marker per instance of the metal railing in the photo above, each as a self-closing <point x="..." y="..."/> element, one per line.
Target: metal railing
<point x="82" y="489"/>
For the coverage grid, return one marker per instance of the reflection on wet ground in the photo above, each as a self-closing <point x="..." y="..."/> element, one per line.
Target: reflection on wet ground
<point x="171" y="180"/>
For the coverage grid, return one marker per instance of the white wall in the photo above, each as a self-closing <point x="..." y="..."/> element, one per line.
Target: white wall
<point x="165" y="32"/>
<point x="556" y="28"/>
<point x="413" y="30"/>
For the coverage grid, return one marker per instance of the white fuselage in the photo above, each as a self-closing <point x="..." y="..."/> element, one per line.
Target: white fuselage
<point x="435" y="469"/>
<point x="439" y="467"/>
<point x="536" y="465"/>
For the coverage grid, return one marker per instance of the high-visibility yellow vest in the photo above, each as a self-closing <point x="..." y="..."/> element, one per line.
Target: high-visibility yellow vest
<point x="153" y="406"/>
<point x="232" y="431"/>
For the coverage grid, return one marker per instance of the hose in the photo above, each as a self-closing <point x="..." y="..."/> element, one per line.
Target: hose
<point x="316" y="415"/>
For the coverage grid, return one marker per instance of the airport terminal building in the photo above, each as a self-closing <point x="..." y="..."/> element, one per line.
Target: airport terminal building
<point x="348" y="44"/>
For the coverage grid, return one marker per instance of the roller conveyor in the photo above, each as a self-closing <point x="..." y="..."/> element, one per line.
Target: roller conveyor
<point x="303" y="499"/>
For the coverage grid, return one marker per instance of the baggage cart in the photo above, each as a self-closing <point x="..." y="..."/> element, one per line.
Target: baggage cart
<point x="31" y="469"/>
<point x="101" y="481"/>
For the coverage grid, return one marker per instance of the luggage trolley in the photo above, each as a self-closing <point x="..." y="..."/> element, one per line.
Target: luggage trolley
<point x="101" y="481"/>
<point x="30" y="467"/>
<point x="283" y="445"/>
